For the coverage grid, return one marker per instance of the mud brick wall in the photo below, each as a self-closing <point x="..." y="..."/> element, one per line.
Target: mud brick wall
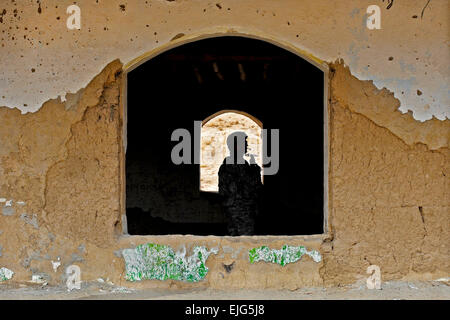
<point x="61" y="159"/>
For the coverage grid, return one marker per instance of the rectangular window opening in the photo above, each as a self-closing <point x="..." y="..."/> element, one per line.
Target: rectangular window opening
<point x="187" y="101"/>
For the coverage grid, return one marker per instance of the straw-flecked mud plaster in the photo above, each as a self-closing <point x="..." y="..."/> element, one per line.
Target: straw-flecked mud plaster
<point x="60" y="162"/>
<point x="389" y="195"/>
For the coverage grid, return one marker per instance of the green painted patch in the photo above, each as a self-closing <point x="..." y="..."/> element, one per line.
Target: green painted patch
<point x="5" y="274"/>
<point x="287" y="254"/>
<point x="160" y="262"/>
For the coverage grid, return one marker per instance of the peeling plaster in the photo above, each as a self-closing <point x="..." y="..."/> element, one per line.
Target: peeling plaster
<point x="26" y="262"/>
<point x="5" y="274"/>
<point x="82" y="248"/>
<point x="378" y="170"/>
<point x="160" y="262"/>
<point x="75" y="258"/>
<point x="287" y="254"/>
<point x="230" y="250"/>
<point x="8" y="211"/>
<point x="51" y="61"/>
<point x="39" y="279"/>
<point x="31" y="221"/>
<point x="122" y="290"/>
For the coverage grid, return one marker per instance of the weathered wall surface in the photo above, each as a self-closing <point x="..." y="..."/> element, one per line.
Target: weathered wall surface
<point x="87" y="178"/>
<point x="60" y="170"/>
<point x="390" y="192"/>
<point x="389" y="200"/>
<point x="388" y="176"/>
<point x="40" y="58"/>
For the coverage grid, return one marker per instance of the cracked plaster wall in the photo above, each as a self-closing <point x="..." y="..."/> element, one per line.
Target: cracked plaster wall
<point x="389" y="189"/>
<point x="388" y="176"/>
<point x="40" y="58"/>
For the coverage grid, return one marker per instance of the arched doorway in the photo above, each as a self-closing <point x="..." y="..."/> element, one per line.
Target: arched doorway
<point x="213" y="135"/>
<point x="199" y="79"/>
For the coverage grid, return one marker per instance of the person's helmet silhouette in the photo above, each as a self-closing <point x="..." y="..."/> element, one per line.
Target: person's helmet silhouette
<point x="237" y="144"/>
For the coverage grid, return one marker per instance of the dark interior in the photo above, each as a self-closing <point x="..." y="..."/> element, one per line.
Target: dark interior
<point x="180" y="86"/>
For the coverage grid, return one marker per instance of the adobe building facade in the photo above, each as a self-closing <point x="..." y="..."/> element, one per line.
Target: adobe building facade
<point x="63" y="122"/>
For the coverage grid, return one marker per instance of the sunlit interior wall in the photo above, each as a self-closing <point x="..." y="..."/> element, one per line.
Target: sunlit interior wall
<point x="214" y="148"/>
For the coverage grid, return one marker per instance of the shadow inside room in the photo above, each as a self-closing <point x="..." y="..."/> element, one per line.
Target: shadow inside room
<point x="196" y="80"/>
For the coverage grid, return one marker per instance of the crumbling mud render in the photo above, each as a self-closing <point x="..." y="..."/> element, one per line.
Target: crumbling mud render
<point x="389" y="192"/>
<point x="388" y="187"/>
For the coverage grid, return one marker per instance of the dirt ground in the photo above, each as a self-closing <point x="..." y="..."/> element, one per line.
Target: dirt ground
<point x="394" y="290"/>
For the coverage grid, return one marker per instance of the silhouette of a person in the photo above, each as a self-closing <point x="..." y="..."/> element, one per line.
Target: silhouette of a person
<point x="240" y="186"/>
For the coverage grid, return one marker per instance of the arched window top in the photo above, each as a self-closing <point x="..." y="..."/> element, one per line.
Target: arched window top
<point x="256" y="120"/>
<point x="217" y="33"/>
